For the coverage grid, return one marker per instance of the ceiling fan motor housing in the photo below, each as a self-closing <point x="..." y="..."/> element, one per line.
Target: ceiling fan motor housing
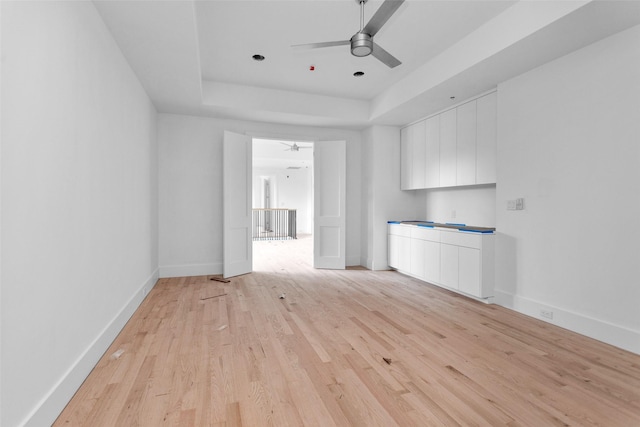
<point x="361" y="44"/>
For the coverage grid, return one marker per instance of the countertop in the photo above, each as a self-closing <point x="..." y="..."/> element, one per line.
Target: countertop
<point x="452" y="226"/>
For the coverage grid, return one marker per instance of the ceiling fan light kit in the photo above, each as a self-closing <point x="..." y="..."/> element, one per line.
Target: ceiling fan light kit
<point x="293" y="147"/>
<point x="362" y="43"/>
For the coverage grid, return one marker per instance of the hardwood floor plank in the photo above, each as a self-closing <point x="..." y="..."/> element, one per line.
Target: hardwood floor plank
<point x="346" y="348"/>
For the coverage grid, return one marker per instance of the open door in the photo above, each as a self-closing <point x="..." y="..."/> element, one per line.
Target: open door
<point x="329" y="174"/>
<point x="236" y="183"/>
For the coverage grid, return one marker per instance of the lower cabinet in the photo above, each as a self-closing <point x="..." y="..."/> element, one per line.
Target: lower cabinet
<point x="399" y="247"/>
<point x="393" y="251"/>
<point x="431" y="261"/>
<point x="449" y="266"/>
<point x="417" y="258"/>
<point x="469" y="271"/>
<point x="453" y="259"/>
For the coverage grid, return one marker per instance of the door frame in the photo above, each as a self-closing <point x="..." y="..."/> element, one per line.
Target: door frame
<point x="315" y="141"/>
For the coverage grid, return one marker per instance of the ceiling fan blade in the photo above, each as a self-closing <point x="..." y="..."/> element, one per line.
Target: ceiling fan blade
<point x="384" y="56"/>
<point x="322" y="44"/>
<point x="381" y="16"/>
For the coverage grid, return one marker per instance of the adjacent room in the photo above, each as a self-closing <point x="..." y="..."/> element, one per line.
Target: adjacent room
<point x="282" y="202"/>
<point x="355" y="212"/>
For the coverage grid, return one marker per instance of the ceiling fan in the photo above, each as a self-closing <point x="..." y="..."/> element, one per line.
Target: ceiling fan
<point x="293" y="147"/>
<point x="362" y="43"/>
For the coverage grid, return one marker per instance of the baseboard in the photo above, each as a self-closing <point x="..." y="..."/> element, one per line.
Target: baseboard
<point x="352" y="261"/>
<point x="616" y="335"/>
<point x="50" y="407"/>
<point x="190" y="270"/>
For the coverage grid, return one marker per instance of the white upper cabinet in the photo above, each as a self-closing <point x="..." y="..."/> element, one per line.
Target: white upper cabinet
<point x="448" y="162"/>
<point x="413" y="156"/>
<point x="419" y="154"/>
<point x="456" y="147"/>
<point x="466" y="144"/>
<point x="432" y="151"/>
<point x="406" y="154"/>
<point x="486" y="138"/>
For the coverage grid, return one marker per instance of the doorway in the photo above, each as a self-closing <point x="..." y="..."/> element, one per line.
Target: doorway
<point x="282" y="201"/>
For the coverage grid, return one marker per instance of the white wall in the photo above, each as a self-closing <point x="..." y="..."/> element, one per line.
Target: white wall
<point x="191" y="188"/>
<point x="568" y="143"/>
<point x="1" y="238"/>
<point x="382" y="198"/>
<point x="366" y="225"/>
<point x="79" y="202"/>
<point x="471" y="205"/>
<point x="291" y="189"/>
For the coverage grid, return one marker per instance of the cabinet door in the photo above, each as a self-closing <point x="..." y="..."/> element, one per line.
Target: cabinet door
<point x="404" y="254"/>
<point x="431" y="259"/>
<point x="448" y="148"/>
<point x="393" y="250"/>
<point x="466" y="144"/>
<point x="469" y="271"/>
<point x="405" y="159"/>
<point x="449" y="265"/>
<point x="486" y="139"/>
<point x="432" y="152"/>
<point x="418" y="144"/>
<point x="417" y="258"/>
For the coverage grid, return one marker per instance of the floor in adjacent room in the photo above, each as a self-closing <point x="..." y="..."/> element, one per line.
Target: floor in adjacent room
<point x="290" y="345"/>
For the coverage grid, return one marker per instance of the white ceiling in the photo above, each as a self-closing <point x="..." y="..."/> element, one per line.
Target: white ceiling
<point x="230" y="32"/>
<point x="195" y="57"/>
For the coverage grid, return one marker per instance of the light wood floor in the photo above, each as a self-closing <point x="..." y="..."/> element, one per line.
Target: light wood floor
<point x="346" y="348"/>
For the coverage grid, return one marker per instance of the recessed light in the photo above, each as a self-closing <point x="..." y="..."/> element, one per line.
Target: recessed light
<point x="358" y="73"/>
<point x="452" y="97"/>
<point x="258" y="57"/>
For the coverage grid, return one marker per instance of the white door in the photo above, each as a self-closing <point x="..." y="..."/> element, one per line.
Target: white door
<point x="236" y="183"/>
<point x="329" y="175"/>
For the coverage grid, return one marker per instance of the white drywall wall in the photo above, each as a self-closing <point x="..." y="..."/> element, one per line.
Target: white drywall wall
<point x="190" y="186"/>
<point x="467" y="205"/>
<point x="568" y="136"/>
<point x="291" y="189"/>
<point x="382" y="198"/>
<point x="79" y="203"/>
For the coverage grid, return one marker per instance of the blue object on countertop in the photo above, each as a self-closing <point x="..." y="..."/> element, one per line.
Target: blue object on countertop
<point x="393" y="222"/>
<point x="476" y="231"/>
<point x="425" y="225"/>
<point x="453" y="223"/>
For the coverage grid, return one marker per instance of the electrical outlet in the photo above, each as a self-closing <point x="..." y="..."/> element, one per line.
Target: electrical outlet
<point x="547" y="314"/>
<point x="515" y="205"/>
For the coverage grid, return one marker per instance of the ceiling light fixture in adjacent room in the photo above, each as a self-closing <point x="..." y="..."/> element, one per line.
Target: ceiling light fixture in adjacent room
<point x="358" y="74"/>
<point x="258" y="57"/>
